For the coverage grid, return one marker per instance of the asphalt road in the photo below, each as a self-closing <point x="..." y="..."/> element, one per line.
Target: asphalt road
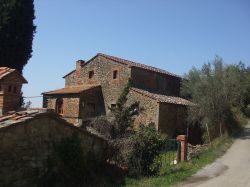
<point x="231" y="170"/>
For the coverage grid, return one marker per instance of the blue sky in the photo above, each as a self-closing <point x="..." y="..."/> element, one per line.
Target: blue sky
<point x="170" y="34"/>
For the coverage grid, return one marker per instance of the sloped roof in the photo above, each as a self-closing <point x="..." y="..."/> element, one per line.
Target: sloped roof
<point x="4" y="71"/>
<point x="131" y="64"/>
<point x="138" y="65"/>
<point x="71" y="90"/>
<point x="164" y="98"/>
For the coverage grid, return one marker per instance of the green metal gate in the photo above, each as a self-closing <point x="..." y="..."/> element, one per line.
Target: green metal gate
<point x="171" y="153"/>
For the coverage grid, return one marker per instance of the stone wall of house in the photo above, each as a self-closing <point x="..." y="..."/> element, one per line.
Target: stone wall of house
<point x="70" y="106"/>
<point x="172" y="119"/>
<point x="78" y="106"/>
<point x="10" y="102"/>
<point x="70" y="80"/>
<point x="50" y="102"/>
<point x="92" y="103"/>
<point x="155" y="82"/>
<point x="103" y="75"/>
<point x="150" y="109"/>
<point x="26" y="146"/>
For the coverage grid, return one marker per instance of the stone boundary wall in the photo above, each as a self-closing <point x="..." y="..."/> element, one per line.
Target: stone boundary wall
<point x="25" y="147"/>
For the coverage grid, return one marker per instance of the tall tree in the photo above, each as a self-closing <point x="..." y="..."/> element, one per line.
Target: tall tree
<point x="124" y="114"/>
<point x="16" y="32"/>
<point x="215" y="89"/>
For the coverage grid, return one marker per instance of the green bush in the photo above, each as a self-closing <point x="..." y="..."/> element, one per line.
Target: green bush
<point x="144" y="155"/>
<point x="104" y="127"/>
<point x="67" y="165"/>
<point x="247" y="110"/>
<point x="119" y="149"/>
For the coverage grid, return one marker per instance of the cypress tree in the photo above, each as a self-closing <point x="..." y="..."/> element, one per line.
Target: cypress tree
<point x="16" y="32"/>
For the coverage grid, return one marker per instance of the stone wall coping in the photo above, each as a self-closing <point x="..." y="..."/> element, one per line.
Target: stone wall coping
<point x="53" y="116"/>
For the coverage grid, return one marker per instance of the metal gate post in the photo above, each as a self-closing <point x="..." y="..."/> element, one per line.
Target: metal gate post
<point x="178" y="151"/>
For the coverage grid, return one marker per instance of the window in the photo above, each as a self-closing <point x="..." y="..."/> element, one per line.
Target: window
<point x="136" y="110"/>
<point x="59" y="106"/>
<point x="91" y="74"/>
<point x="112" y="106"/>
<point x="45" y="102"/>
<point x="115" y="74"/>
<point x="9" y="89"/>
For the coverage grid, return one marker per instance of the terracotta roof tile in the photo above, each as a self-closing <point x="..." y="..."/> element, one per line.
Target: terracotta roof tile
<point x="71" y="90"/>
<point x="164" y="98"/>
<point x="16" y="117"/>
<point x="131" y="64"/>
<point x="138" y="65"/>
<point x="4" y="71"/>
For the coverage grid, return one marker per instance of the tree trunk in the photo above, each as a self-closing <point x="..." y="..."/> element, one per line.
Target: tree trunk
<point x="220" y="129"/>
<point x="208" y="134"/>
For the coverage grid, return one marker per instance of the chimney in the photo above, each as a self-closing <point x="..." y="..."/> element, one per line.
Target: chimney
<point x="79" y="64"/>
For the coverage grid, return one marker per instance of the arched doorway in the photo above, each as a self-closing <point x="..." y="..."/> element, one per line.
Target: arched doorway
<point x="59" y="106"/>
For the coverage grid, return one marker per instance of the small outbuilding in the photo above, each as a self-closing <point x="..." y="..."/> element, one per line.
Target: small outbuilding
<point x="11" y="82"/>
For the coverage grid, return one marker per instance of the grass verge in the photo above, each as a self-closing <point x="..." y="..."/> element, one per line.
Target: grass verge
<point x="170" y="176"/>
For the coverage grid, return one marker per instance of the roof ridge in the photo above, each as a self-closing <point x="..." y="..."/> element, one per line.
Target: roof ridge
<point x="4" y="71"/>
<point x="140" y="92"/>
<point x="131" y="64"/>
<point x="163" y="98"/>
<point x="118" y="58"/>
<point x="75" y="89"/>
<point x="138" y="65"/>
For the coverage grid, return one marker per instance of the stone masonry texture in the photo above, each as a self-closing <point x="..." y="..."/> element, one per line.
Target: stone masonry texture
<point x="172" y="119"/>
<point x="10" y="92"/>
<point x="96" y="101"/>
<point x="26" y="146"/>
<point x="103" y="71"/>
<point x="155" y="82"/>
<point x="150" y="109"/>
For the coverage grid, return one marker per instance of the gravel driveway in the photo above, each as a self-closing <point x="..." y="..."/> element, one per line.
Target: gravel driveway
<point x="231" y="170"/>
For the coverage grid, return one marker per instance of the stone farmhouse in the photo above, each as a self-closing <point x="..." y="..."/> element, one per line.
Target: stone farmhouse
<point x="11" y="82"/>
<point x="95" y="85"/>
